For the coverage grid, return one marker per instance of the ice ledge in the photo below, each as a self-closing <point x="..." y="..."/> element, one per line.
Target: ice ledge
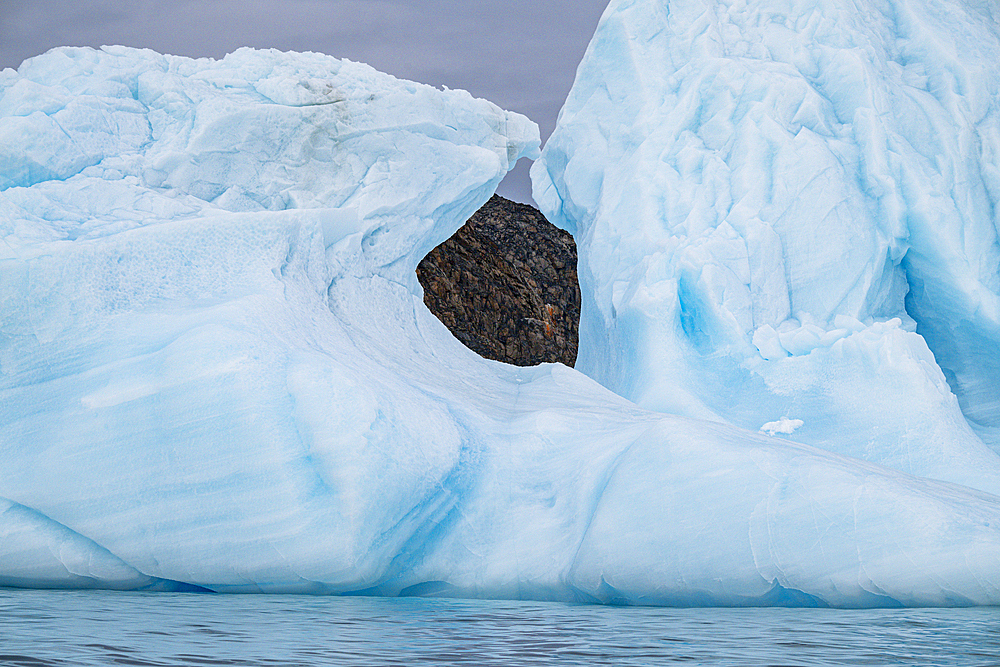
<point x="799" y="337"/>
<point x="50" y="555"/>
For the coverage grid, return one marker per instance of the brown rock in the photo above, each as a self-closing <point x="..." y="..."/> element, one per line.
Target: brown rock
<point x="510" y="272"/>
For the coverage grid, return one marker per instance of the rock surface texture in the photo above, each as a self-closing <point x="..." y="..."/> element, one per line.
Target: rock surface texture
<point x="505" y="285"/>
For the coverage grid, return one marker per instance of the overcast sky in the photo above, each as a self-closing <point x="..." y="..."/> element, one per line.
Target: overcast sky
<point x="520" y="54"/>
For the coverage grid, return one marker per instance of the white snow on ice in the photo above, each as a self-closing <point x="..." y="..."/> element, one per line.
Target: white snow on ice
<point x="784" y="426"/>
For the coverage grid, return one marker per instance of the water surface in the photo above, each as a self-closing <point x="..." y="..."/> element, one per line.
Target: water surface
<point x="49" y="628"/>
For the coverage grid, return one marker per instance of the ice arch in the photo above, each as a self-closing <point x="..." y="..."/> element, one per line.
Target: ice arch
<point x="216" y="371"/>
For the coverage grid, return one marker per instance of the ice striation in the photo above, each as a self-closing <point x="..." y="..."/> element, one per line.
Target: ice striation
<point x="788" y="209"/>
<point x="217" y="372"/>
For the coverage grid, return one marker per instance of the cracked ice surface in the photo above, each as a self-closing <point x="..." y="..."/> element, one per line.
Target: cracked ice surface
<point x="790" y="207"/>
<point x="216" y="370"/>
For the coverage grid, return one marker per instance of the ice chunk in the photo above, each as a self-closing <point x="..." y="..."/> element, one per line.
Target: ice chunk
<point x="216" y="370"/>
<point x="785" y="426"/>
<point x="793" y="206"/>
<point x="767" y="342"/>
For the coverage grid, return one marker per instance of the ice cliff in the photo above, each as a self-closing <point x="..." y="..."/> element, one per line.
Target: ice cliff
<point x="787" y="213"/>
<point x="216" y="369"/>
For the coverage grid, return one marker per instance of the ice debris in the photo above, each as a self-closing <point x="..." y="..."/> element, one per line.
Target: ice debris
<point x="784" y="426"/>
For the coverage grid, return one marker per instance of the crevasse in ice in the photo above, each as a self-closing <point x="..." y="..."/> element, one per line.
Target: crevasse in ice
<point x="787" y="214"/>
<point x="216" y="372"/>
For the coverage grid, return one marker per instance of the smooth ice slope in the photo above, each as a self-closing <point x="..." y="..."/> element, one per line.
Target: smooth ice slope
<point x="216" y="370"/>
<point x="787" y="215"/>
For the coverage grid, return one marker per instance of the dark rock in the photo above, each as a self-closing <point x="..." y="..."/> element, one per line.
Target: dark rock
<point x="505" y="285"/>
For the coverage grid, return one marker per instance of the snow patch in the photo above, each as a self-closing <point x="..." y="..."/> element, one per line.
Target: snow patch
<point x="785" y="426"/>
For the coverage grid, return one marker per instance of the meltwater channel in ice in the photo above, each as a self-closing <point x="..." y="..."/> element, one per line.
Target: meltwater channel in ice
<point x="216" y="372"/>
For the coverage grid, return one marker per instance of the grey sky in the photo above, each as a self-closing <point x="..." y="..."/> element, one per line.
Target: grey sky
<point x="520" y="54"/>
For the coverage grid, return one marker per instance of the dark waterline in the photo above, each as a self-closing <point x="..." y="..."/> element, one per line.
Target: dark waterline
<point x="49" y="628"/>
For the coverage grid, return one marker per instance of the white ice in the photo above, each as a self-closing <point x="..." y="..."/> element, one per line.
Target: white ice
<point x="784" y="425"/>
<point x="790" y="207"/>
<point x="216" y="371"/>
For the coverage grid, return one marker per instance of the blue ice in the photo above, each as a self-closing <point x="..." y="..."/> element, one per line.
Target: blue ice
<point x="216" y="369"/>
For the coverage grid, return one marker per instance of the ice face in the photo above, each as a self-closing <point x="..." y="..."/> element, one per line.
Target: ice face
<point x="216" y="371"/>
<point x="182" y="242"/>
<point x="788" y="210"/>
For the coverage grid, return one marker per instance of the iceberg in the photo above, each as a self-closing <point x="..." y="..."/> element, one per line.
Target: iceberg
<point x="787" y="210"/>
<point x="217" y="373"/>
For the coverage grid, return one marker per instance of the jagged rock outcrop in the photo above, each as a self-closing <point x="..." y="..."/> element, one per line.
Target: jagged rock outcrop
<point x="505" y="284"/>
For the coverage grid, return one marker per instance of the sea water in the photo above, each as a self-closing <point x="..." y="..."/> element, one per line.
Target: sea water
<point x="49" y="628"/>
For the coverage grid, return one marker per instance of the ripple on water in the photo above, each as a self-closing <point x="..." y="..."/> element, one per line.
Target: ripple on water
<point x="58" y="628"/>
